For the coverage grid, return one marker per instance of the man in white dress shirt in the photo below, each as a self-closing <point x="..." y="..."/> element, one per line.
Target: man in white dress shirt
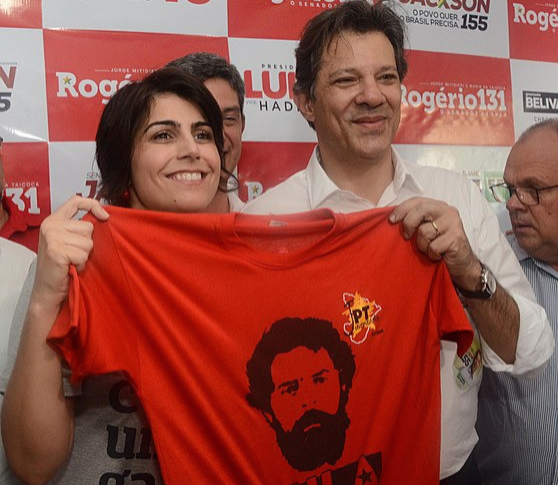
<point x="350" y="63"/>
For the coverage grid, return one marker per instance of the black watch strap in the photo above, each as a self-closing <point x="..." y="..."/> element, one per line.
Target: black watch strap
<point x="488" y="286"/>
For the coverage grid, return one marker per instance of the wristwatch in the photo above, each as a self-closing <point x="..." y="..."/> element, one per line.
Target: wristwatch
<point x="488" y="286"/>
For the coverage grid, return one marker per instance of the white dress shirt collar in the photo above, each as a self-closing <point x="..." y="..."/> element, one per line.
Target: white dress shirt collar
<point x="321" y="188"/>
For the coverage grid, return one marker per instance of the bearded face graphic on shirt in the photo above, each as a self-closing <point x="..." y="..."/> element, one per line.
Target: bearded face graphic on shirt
<point x="300" y="375"/>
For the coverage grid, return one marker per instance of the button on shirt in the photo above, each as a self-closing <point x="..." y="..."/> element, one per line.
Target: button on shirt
<point x="311" y="189"/>
<point x="518" y="418"/>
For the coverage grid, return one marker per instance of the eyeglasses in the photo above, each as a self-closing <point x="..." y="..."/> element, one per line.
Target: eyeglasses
<point x="503" y="192"/>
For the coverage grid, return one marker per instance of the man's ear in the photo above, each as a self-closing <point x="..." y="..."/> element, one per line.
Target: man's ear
<point x="243" y="123"/>
<point x="305" y="105"/>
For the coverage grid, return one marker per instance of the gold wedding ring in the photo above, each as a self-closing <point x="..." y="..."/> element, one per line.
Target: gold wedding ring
<point x="435" y="228"/>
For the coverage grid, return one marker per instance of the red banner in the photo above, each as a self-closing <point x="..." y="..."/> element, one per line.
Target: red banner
<point x="533" y="30"/>
<point x="273" y="19"/>
<point x="85" y="68"/>
<point x="27" y="178"/>
<point x="455" y="99"/>
<point x="21" y="13"/>
<point x="265" y="164"/>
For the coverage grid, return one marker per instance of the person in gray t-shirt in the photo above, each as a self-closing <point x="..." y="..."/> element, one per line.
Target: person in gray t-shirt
<point x="160" y="146"/>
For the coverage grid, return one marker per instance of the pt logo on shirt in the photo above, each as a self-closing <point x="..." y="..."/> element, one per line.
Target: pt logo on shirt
<point x="362" y="314"/>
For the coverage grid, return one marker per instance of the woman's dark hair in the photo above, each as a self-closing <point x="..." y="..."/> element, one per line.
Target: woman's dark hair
<point x="127" y="113"/>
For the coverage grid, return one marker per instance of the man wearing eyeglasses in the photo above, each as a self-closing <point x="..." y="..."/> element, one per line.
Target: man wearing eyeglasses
<point x="518" y="419"/>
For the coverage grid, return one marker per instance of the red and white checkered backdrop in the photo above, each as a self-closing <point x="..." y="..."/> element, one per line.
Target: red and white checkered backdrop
<point x="480" y="72"/>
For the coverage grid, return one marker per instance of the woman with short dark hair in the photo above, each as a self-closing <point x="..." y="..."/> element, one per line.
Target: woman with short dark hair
<point x="159" y="147"/>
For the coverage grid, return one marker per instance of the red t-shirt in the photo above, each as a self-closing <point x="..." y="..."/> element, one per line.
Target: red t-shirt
<point x="270" y="349"/>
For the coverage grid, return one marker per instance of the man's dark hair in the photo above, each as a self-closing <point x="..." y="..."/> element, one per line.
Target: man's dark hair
<point x="206" y="65"/>
<point x="127" y="113"/>
<point x="356" y="16"/>
<point x="288" y="334"/>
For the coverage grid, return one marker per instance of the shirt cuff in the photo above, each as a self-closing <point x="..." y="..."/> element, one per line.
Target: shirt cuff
<point x="535" y="343"/>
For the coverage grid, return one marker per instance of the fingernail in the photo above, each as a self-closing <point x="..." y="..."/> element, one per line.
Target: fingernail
<point x="392" y="218"/>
